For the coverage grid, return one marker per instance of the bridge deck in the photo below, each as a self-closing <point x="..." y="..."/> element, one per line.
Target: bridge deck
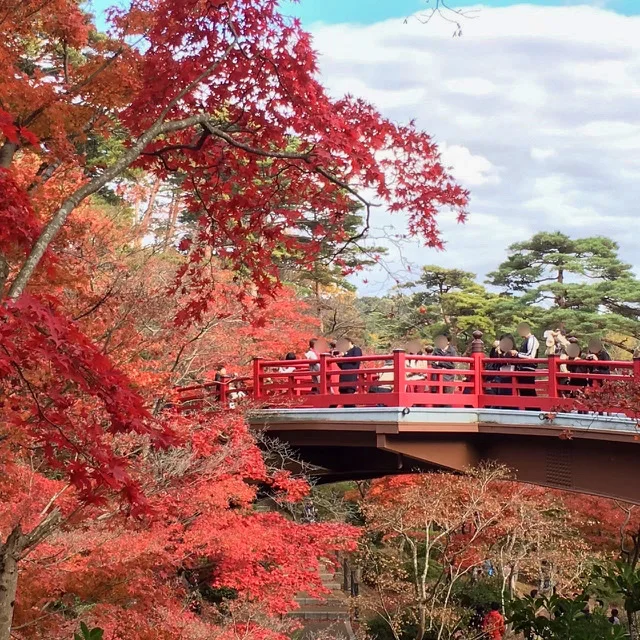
<point x="401" y="413"/>
<point x="593" y="454"/>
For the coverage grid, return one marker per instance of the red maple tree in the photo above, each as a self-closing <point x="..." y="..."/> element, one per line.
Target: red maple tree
<point x="70" y="487"/>
<point x="224" y="98"/>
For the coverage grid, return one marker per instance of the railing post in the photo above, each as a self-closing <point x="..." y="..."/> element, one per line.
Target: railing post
<point x="477" y="353"/>
<point x="399" y="371"/>
<point x="257" y="381"/>
<point x="223" y="388"/>
<point x="636" y="366"/>
<point x="553" y="376"/>
<point x="323" y="374"/>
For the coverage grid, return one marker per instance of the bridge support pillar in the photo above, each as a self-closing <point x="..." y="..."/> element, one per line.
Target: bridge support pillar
<point x="452" y="454"/>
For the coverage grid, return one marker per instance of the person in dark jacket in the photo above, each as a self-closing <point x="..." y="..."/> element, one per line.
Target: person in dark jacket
<point x="347" y="379"/>
<point x="598" y="353"/>
<point x="443" y="347"/>
<point x="574" y="352"/>
<point x="503" y="349"/>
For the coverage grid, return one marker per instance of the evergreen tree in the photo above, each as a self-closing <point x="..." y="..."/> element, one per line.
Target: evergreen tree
<point x="579" y="284"/>
<point x="337" y="247"/>
<point x="388" y="320"/>
<point x="451" y="300"/>
<point x="549" y="266"/>
<point x="444" y="300"/>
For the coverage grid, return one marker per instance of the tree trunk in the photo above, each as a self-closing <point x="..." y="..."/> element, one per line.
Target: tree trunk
<point x="561" y="300"/>
<point x="422" y="622"/>
<point x="60" y="216"/>
<point x="503" y="588"/>
<point x="630" y="622"/>
<point x="146" y="218"/>
<point x="9" y="554"/>
<point x="18" y="544"/>
<point x="173" y="219"/>
<point x="634" y="552"/>
<point x="4" y="272"/>
<point x="44" y="174"/>
<point x="7" y="151"/>
<point x="513" y="581"/>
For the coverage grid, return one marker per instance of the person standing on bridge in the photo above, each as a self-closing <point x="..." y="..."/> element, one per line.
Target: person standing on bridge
<point x="528" y="351"/>
<point x="347" y="380"/>
<point x="599" y="353"/>
<point x="446" y="349"/>
<point x="502" y="348"/>
<point x="289" y="357"/>
<point x="332" y="366"/>
<point x="574" y="352"/>
<point x="314" y="365"/>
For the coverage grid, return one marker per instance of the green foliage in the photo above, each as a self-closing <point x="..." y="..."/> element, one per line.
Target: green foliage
<point x="378" y="629"/>
<point x="620" y="579"/>
<point x="218" y="595"/>
<point x="444" y="300"/>
<point x="331" y="504"/>
<point x="482" y="593"/>
<point x="551" y="280"/>
<point x="340" y="248"/>
<point x="579" y="283"/>
<point x="449" y="300"/>
<point x="88" y="634"/>
<point x="548" y="258"/>
<point x="387" y="320"/>
<point x="569" y="621"/>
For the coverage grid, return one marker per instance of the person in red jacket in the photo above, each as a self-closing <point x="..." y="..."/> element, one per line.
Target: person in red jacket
<point x="493" y="624"/>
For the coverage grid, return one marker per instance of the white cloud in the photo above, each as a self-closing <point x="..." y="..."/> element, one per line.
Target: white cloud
<point x="471" y="86"/>
<point x="471" y="170"/>
<point x="536" y="109"/>
<point x="542" y="154"/>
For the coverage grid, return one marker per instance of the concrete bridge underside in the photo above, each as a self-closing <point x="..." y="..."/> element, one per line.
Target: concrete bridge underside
<point x="592" y="454"/>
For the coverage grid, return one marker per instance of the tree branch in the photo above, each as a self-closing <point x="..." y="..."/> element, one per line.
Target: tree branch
<point x="89" y="188"/>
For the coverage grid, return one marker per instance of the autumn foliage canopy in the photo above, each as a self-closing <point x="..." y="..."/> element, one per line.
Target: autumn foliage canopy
<point x="110" y="500"/>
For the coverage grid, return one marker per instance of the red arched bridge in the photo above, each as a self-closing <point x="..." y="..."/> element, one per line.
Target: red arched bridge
<point x="401" y="413"/>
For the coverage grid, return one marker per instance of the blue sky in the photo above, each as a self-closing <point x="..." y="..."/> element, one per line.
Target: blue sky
<point x="371" y="11"/>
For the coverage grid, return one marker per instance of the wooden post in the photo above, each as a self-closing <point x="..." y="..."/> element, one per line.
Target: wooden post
<point x="257" y="381"/>
<point x="223" y="388"/>
<point x="477" y="353"/>
<point x="552" y="389"/>
<point x="399" y="371"/>
<point x="324" y="387"/>
<point x="636" y="366"/>
<point x="345" y="575"/>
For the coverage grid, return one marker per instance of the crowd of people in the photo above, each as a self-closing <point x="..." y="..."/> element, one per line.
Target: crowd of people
<point x="508" y="353"/>
<point x="507" y="363"/>
<point x="574" y="369"/>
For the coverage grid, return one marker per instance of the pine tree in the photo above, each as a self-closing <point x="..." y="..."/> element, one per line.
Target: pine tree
<point x="579" y="284"/>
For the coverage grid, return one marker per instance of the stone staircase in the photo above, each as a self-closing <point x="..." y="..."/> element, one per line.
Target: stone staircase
<point x="327" y="616"/>
<point x="324" y="618"/>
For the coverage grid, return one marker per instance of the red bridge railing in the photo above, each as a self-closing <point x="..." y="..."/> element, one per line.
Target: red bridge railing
<point x="406" y="380"/>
